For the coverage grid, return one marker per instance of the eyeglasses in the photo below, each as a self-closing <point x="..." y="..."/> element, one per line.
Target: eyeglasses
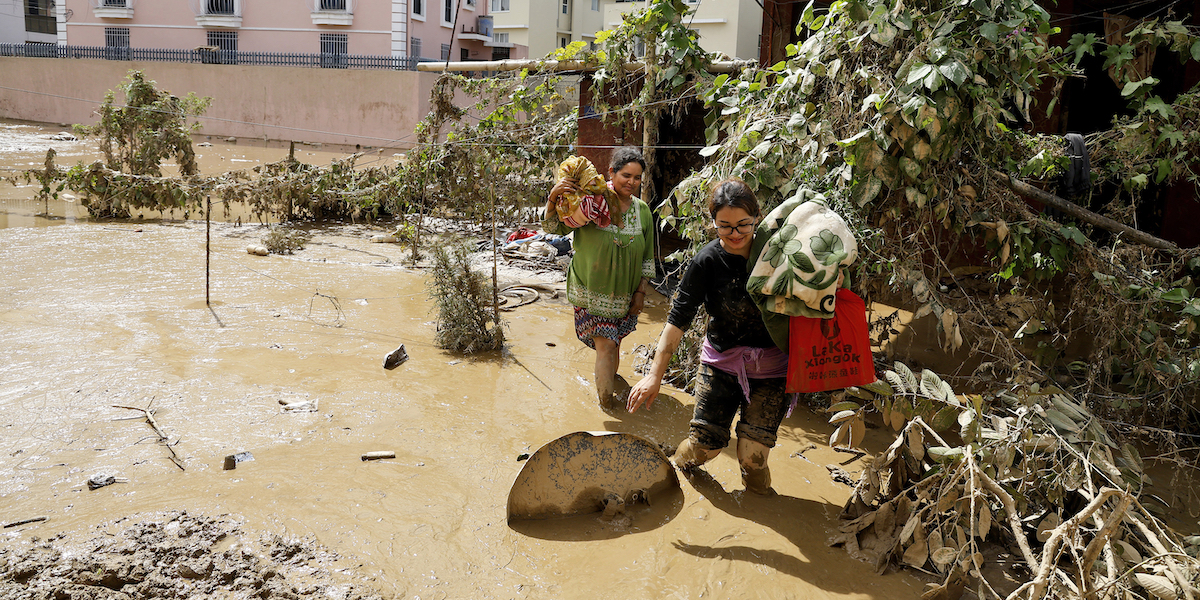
<point x="743" y="228"/>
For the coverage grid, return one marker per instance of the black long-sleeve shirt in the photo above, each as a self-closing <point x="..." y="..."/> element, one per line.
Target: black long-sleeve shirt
<point x="716" y="279"/>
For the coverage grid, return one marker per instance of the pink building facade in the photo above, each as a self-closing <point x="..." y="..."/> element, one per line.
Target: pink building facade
<point x="428" y="29"/>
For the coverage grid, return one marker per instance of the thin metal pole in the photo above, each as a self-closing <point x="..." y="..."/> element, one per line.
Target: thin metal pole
<point x="207" y="246"/>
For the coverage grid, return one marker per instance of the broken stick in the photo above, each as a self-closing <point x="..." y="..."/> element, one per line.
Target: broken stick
<point x="1079" y="212"/>
<point x="162" y="437"/>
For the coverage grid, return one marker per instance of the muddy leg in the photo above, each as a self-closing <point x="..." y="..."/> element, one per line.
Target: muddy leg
<point x="608" y="357"/>
<point x="690" y="455"/>
<point x="752" y="457"/>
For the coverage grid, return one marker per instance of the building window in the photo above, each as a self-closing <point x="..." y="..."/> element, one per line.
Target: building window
<point x="596" y="5"/>
<point x="223" y="41"/>
<point x="470" y="4"/>
<point x="445" y="51"/>
<point x="116" y="43"/>
<point x="39" y="17"/>
<point x="464" y="54"/>
<point x="334" y="49"/>
<point x="116" y="37"/>
<point x="219" y="7"/>
<point x="418" y="8"/>
<point x="415" y="47"/>
<point x="566" y="5"/>
<point x="448" y="11"/>
<point x="333" y="4"/>
<point x="499" y="5"/>
<point x="563" y="41"/>
<point x="115" y="4"/>
<point x="500" y="53"/>
<point x="500" y="38"/>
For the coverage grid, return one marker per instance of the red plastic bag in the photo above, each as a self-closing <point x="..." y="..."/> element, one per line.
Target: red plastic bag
<point x="831" y="354"/>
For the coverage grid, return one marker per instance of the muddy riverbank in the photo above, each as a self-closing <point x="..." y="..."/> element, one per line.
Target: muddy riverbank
<point x="95" y="315"/>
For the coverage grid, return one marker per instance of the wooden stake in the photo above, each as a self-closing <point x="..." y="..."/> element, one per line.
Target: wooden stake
<point x="649" y="121"/>
<point x="207" y="246"/>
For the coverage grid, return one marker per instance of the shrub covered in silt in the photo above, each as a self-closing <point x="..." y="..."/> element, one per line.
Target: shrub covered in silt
<point x="466" y="318"/>
<point x="285" y="240"/>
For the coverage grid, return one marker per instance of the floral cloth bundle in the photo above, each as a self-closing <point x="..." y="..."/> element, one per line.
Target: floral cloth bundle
<point x="796" y="270"/>
<point x="590" y="203"/>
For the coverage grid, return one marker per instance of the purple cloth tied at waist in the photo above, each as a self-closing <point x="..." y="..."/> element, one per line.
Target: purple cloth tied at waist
<point x="746" y="363"/>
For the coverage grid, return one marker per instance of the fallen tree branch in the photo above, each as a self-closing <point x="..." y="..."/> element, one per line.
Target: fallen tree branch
<point x="1045" y="567"/>
<point x="1028" y="191"/>
<point x="162" y="437"/>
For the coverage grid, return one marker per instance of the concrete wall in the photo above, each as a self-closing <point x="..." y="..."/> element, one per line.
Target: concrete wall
<point x="332" y="106"/>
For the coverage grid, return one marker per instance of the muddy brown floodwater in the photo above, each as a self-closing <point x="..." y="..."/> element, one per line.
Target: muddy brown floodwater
<point x="95" y="315"/>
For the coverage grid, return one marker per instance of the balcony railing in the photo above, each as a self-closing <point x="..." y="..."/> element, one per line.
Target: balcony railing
<point x="210" y="56"/>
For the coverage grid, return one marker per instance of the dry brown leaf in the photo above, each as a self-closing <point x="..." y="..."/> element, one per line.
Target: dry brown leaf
<point x="909" y="528"/>
<point x="947" y="500"/>
<point x="885" y="520"/>
<point x="844" y="415"/>
<point x="835" y="438"/>
<point x="1158" y="586"/>
<point x="858" y="430"/>
<point x="916" y="443"/>
<point x="944" y="556"/>
<point x="985" y="521"/>
<point x="917" y="554"/>
<point x="898" y="420"/>
<point x="1047" y="525"/>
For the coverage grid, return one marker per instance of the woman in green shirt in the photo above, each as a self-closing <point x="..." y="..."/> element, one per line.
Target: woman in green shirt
<point x="612" y="267"/>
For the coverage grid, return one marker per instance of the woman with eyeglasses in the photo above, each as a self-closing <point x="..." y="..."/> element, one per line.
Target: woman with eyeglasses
<point x="741" y="368"/>
<point x="612" y="266"/>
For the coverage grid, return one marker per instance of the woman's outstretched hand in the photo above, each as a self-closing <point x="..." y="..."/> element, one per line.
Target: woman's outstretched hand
<point x="643" y="394"/>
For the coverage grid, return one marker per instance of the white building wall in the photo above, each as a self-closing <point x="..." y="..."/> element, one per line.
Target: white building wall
<point x="12" y="22"/>
<point x="730" y="27"/>
<point x="399" y="27"/>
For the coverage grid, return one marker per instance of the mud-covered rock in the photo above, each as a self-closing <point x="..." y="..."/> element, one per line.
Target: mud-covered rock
<point x="175" y="555"/>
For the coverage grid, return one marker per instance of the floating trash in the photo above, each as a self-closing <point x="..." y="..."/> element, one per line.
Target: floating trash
<point x="231" y="461"/>
<point x="395" y="358"/>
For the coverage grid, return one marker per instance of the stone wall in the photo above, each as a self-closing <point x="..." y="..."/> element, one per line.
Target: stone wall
<point x="376" y="108"/>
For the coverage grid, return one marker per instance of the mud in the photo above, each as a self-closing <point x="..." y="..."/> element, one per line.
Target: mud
<point x="98" y="314"/>
<point x="175" y="555"/>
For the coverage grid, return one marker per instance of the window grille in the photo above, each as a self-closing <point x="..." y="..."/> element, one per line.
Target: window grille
<point x="116" y="37"/>
<point x="219" y="7"/>
<point x="116" y="4"/>
<point x="415" y="47"/>
<point x="226" y="44"/>
<point x="500" y="53"/>
<point x="445" y="51"/>
<point x="333" y="4"/>
<point x="334" y="49"/>
<point x="116" y="43"/>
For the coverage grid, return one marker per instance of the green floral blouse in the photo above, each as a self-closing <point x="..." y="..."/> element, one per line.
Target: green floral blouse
<point x="609" y="262"/>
